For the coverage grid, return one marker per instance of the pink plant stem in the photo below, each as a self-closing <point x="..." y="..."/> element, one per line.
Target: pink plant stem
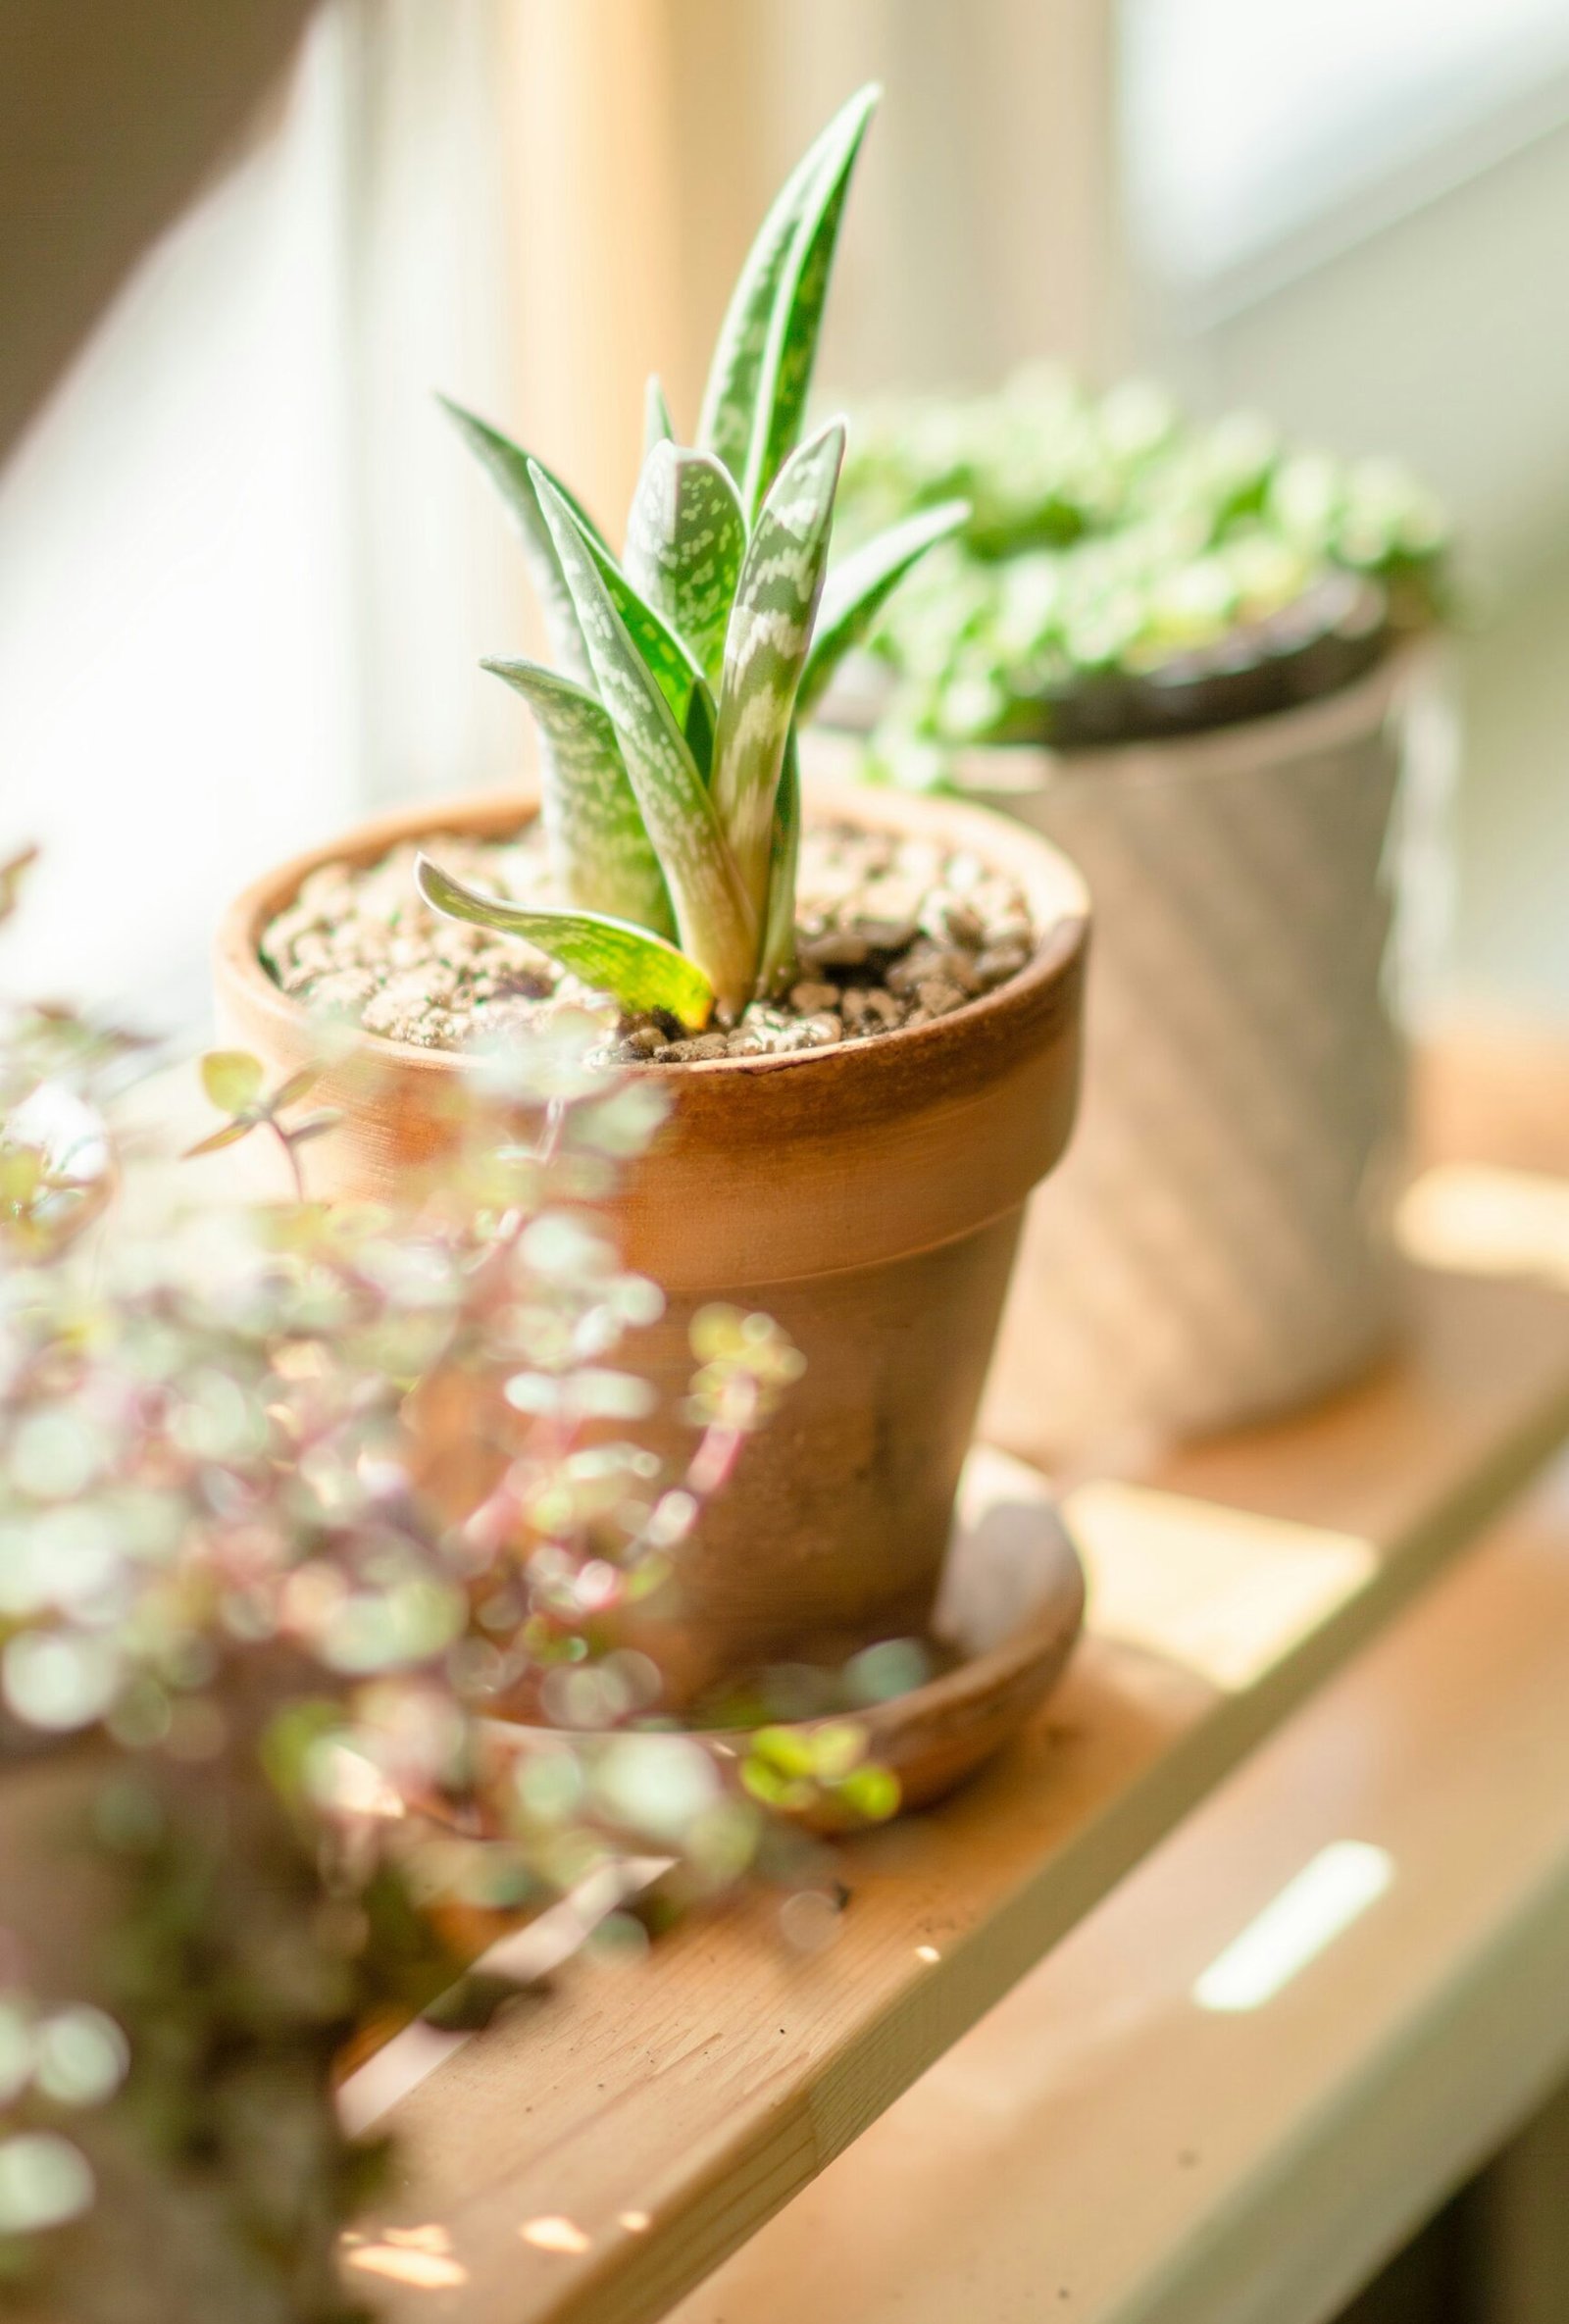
<point x="288" y="1143"/>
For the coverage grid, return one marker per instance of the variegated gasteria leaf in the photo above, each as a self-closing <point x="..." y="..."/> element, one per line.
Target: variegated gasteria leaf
<point x="730" y="407"/>
<point x="789" y="353"/>
<point x="765" y="649"/>
<point x="603" y="858"/>
<point x="776" y="971"/>
<point x="686" y="539"/>
<point x="855" y="592"/>
<point x="676" y="671"/>
<point x="658" y="425"/>
<point x="714" y="917"/>
<point x="509" y="466"/>
<point x="638" y="970"/>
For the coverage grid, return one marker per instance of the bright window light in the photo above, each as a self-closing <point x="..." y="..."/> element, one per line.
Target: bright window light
<point x="1243" y="120"/>
<point x="175" y="632"/>
<point x="1299" y="1924"/>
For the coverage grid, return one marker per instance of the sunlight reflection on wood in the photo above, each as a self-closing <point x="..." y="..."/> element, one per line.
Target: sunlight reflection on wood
<point x="422" y="2271"/>
<point x="555" y="2234"/>
<point x="1222" y="1591"/>
<point x="1483" y="1221"/>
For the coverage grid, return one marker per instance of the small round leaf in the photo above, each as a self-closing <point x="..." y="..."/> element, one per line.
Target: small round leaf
<point x="233" y="1078"/>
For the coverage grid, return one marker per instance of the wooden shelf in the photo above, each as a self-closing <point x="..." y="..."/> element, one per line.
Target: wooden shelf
<point x="594" y="2160"/>
<point x="1106" y="2148"/>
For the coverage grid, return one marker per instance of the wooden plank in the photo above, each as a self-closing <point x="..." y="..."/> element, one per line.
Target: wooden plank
<point x="1495" y="1090"/>
<point x="594" y="2160"/>
<point x="1107" y="2149"/>
<point x="1517" y="2223"/>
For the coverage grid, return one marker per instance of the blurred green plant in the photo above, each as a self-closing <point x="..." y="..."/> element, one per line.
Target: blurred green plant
<point x="298" y="1505"/>
<point x="671" y="792"/>
<point x="1115" y="549"/>
<point x="232" y="1082"/>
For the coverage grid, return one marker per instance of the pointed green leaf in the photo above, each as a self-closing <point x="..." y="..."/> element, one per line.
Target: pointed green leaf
<point x="299" y="1085"/>
<point x="717" y="925"/>
<point x="509" y="465"/>
<point x="855" y="592"/>
<point x="778" y="969"/>
<point x="638" y="970"/>
<point x="765" y="649"/>
<point x="679" y="678"/>
<point x="658" y="427"/>
<point x="230" y="1134"/>
<point x="604" y="860"/>
<point x="730" y="400"/>
<point x="300" y="1133"/>
<point x="685" y="540"/>
<point x="789" y="353"/>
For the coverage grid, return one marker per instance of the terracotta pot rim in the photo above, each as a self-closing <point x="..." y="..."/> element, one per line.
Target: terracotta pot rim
<point x="1061" y="940"/>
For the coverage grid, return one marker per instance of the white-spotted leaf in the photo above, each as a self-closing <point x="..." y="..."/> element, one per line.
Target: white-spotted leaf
<point x="789" y="352"/>
<point x="638" y="970"/>
<point x="509" y="467"/>
<point x="716" y="923"/>
<point x="604" y="860"/>
<point x="675" y="671"/>
<point x="778" y="971"/>
<point x="765" y="649"/>
<point x="732" y="410"/>
<point x="686" y="539"/>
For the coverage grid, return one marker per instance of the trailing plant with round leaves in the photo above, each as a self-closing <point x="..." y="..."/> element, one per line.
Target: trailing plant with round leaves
<point x="1115" y="553"/>
<point x="274" y="1573"/>
<point x="671" y="794"/>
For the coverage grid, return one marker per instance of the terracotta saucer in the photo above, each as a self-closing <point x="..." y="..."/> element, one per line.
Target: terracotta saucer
<point x="1008" y="1615"/>
<point x="1009" y="1611"/>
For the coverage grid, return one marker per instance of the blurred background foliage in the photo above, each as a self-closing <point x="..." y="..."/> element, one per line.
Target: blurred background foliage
<point x="1124" y="572"/>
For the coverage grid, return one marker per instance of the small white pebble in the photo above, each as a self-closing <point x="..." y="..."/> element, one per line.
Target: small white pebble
<point x="809" y="996"/>
<point x="921" y="928"/>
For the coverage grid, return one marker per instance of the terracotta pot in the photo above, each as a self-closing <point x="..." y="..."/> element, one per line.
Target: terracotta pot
<point x="868" y="1196"/>
<point x="1218" y="1245"/>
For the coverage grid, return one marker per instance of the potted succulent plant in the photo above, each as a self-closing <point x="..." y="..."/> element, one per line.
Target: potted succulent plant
<point x="861" y="1011"/>
<point x="1187" y="655"/>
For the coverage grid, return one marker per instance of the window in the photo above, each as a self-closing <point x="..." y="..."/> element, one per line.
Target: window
<point x="1245" y="121"/>
<point x="173" y="639"/>
<point x="245" y="573"/>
